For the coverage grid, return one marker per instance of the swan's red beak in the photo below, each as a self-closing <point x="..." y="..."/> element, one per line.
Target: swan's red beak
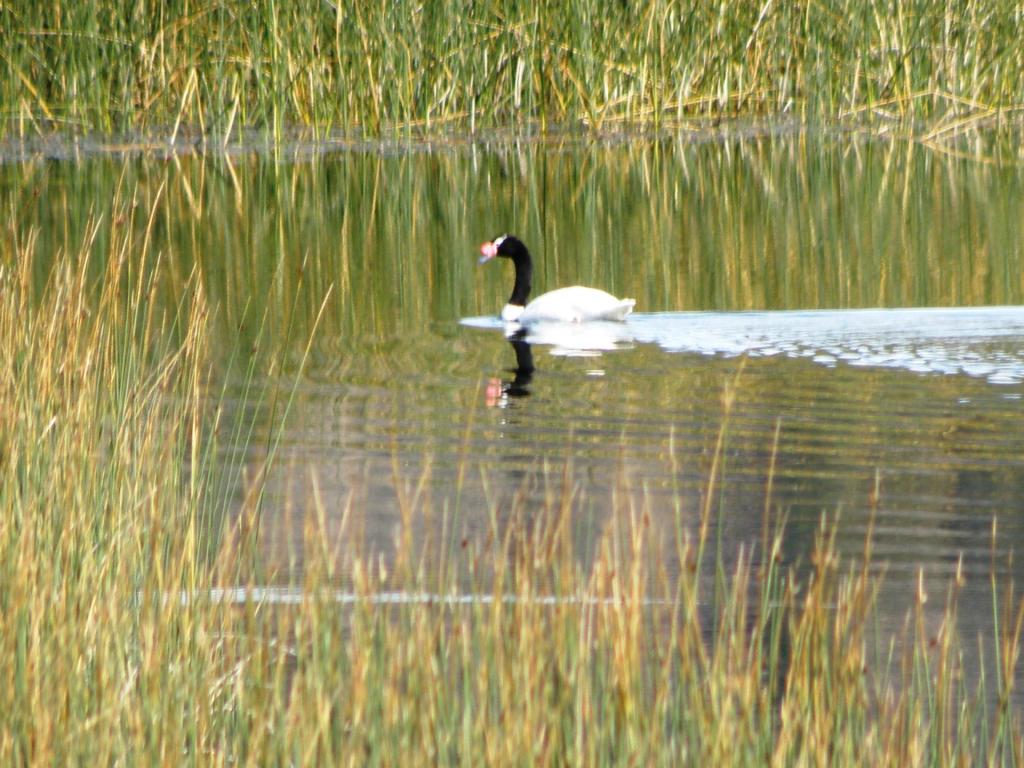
<point x="488" y="251"/>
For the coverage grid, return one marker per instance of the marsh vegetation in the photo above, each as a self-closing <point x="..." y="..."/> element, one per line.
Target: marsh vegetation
<point x="216" y="70"/>
<point x="264" y="500"/>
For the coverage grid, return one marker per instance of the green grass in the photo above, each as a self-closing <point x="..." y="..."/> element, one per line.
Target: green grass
<point x="219" y="68"/>
<point x="114" y="649"/>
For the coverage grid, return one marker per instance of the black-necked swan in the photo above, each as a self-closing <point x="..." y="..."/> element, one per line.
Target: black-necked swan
<point x="566" y="305"/>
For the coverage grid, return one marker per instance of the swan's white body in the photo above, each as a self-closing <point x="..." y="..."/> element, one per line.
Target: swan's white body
<point x="576" y="304"/>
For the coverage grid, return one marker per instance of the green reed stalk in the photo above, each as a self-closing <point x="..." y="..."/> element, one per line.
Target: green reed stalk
<point x="376" y="67"/>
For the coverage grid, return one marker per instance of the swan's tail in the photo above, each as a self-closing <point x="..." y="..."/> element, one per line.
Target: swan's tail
<point x="620" y="310"/>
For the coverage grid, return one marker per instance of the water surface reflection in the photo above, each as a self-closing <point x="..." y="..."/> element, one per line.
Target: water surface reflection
<point x="499" y="391"/>
<point x="907" y="421"/>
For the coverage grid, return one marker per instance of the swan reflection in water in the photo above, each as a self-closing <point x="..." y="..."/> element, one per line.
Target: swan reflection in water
<point x="498" y="391"/>
<point x="563" y="340"/>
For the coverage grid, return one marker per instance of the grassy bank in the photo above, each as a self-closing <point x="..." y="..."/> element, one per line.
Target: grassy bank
<point x="218" y="68"/>
<point x="116" y="649"/>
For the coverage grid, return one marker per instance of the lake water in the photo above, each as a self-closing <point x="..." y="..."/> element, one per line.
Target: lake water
<point x="759" y="266"/>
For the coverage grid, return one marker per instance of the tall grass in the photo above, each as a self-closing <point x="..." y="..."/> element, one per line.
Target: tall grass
<point x="116" y="646"/>
<point x="101" y="413"/>
<point x="218" y="68"/>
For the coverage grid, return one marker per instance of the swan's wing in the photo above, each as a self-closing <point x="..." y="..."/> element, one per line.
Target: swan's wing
<point x="576" y="304"/>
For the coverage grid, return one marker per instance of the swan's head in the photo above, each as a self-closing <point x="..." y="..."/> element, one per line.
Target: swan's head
<point x="507" y="246"/>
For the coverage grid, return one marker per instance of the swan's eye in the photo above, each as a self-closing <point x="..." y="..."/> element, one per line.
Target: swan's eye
<point x="499" y="240"/>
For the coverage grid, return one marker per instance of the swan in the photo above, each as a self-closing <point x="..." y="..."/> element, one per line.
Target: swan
<point x="576" y="304"/>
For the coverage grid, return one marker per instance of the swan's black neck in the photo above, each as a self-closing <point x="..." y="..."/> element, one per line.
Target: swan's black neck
<point x="524" y="273"/>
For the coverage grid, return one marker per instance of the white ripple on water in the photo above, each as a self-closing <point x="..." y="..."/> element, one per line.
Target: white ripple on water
<point x="984" y="342"/>
<point x="271" y="595"/>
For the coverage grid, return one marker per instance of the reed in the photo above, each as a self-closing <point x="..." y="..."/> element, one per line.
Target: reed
<point x="218" y="69"/>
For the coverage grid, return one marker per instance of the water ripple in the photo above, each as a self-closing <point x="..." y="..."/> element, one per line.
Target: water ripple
<point x="984" y="342"/>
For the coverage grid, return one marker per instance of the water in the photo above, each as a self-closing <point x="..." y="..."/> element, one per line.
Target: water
<point x="973" y="341"/>
<point x="758" y="266"/>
